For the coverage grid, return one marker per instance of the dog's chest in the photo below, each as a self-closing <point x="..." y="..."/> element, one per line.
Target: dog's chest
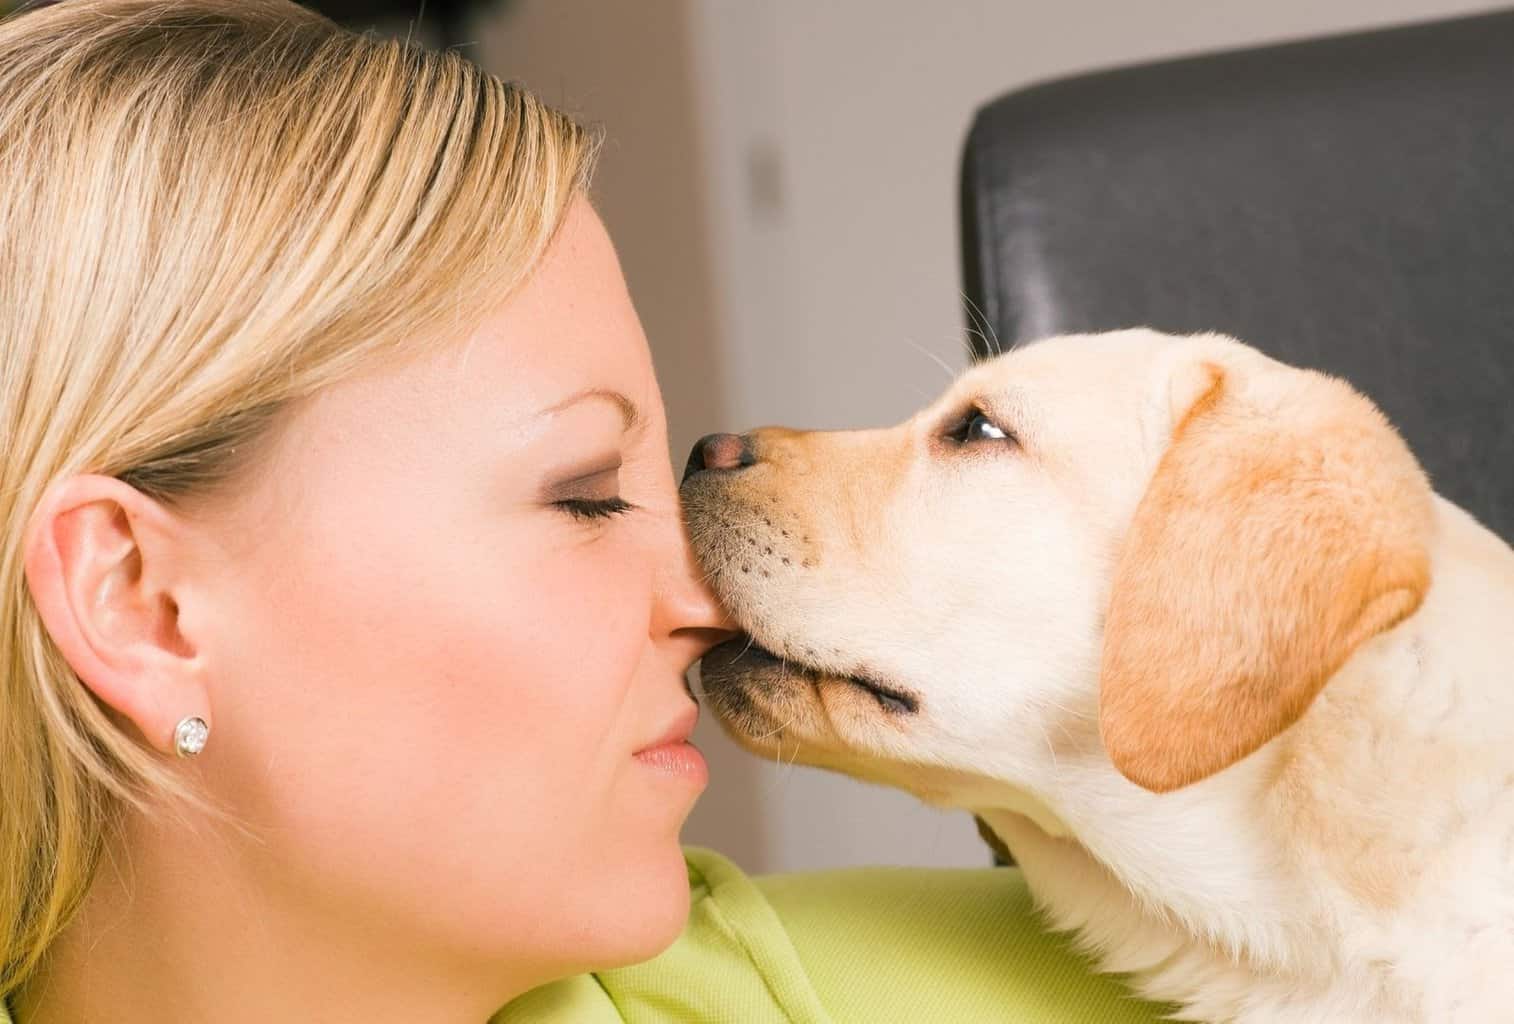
<point x="1284" y="968"/>
<point x="1393" y="934"/>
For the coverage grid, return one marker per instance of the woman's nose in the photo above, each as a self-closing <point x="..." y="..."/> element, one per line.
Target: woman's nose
<point x="686" y="607"/>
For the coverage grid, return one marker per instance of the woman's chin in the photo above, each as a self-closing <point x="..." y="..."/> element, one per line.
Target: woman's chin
<point x="655" y="911"/>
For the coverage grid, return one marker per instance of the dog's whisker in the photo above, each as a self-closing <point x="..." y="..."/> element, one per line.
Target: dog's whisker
<point x="951" y="374"/>
<point x="971" y="333"/>
<point x="980" y="318"/>
<point x="1051" y="747"/>
<point x="784" y="768"/>
<point x="775" y="730"/>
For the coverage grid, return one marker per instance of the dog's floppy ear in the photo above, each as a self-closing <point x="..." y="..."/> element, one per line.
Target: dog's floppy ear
<point x="1286" y="524"/>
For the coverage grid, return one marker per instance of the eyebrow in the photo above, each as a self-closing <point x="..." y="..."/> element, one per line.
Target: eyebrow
<point x="1006" y="402"/>
<point x="630" y="415"/>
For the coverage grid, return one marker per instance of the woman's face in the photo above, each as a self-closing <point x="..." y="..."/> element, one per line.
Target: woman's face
<point x="456" y="605"/>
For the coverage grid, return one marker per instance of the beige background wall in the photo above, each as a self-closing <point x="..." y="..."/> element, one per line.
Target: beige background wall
<point x="781" y="182"/>
<point x="629" y="67"/>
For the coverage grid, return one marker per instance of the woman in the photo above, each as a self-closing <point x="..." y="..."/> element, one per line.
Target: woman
<point x="345" y="608"/>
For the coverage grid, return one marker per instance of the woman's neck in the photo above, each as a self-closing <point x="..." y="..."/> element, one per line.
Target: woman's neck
<point x="191" y="927"/>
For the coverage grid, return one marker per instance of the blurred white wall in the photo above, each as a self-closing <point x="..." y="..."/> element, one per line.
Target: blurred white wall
<point x="781" y="181"/>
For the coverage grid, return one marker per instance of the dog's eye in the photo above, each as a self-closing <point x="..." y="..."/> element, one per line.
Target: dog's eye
<point x="978" y="427"/>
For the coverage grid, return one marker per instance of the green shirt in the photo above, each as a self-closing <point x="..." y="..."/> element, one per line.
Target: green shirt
<point x="860" y="946"/>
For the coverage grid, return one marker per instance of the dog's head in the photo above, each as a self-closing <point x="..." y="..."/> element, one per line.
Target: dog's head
<point x="1129" y="545"/>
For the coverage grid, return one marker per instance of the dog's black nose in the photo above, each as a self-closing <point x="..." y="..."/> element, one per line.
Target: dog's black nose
<point x="719" y="451"/>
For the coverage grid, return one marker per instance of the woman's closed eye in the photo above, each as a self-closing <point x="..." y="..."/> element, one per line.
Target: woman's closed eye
<point x="595" y="508"/>
<point x="591" y="495"/>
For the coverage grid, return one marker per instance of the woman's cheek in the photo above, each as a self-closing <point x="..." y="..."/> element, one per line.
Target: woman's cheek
<point x="581" y="620"/>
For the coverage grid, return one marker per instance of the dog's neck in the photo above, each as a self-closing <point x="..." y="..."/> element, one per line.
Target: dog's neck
<point x="1199" y="860"/>
<point x="1260" y="869"/>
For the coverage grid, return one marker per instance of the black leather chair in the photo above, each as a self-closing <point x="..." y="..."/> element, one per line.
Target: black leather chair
<point x="1344" y="203"/>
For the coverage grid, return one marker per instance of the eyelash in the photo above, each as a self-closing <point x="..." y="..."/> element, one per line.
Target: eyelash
<point x="595" y="508"/>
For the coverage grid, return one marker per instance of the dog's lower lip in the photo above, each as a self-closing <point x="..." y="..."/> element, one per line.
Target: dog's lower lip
<point x="890" y="700"/>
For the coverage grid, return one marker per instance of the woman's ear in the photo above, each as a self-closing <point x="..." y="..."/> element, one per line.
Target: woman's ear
<point x="1286" y="524"/>
<point x="101" y="561"/>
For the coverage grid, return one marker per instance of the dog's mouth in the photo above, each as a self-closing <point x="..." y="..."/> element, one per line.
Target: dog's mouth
<point x="736" y="668"/>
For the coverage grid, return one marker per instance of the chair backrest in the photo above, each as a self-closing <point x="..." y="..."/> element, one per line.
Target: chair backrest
<point x="1344" y="203"/>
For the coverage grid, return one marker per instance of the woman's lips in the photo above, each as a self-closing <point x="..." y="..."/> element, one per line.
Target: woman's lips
<point x="672" y="753"/>
<point x="681" y="759"/>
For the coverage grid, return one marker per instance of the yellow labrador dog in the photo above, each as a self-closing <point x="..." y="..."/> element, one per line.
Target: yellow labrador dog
<point x="1189" y="629"/>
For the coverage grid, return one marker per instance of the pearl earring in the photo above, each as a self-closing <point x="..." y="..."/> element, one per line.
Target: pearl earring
<point x="189" y="736"/>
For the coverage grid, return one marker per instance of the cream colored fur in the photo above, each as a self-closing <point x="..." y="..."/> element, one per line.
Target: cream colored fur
<point x="1303" y="658"/>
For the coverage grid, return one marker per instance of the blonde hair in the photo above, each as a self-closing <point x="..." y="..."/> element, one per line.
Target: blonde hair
<point x="208" y="209"/>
